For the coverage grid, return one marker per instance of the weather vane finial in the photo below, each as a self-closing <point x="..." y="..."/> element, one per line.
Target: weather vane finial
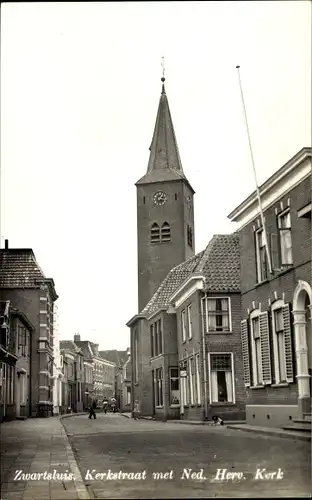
<point x="163" y="75"/>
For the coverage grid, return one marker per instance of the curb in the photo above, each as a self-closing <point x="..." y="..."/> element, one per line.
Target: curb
<point x="81" y="488"/>
<point x="269" y="432"/>
<point x="68" y="415"/>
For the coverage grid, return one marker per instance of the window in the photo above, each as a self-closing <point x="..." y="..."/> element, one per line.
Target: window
<point x="191" y="380"/>
<point x="160" y="336"/>
<point x="283" y="347"/>
<point x="165" y="232"/>
<point x="159" y="387"/>
<point x="155" y="233"/>
<point x="136" y="357"/>
<point x="198" y="396"/>
<point x="257" y="364"/>
<point x="221" y="377"/>
<point x="183" y="325"/>
<point x="22" y="389"/>
<point x="152" y="340"/>
<point x="176" y="196"/>
<point x="174" y="386"/>
<point x="218" y="314"/>
<point x="144" y="200"/>
<point x="262" y="268"/>
<point x="189" y="236"/>
<point x="280" y="344"/>
<point x="284" y="226"/>
<point x="189" y="321"/>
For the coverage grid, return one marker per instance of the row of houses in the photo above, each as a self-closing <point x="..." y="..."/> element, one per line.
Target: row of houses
<point x="226" y="331"/>
<point x="41" y="376"/>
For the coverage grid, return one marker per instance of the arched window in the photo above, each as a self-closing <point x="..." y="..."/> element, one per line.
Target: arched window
<point x="165" y="232"/>
<point x="155" y="233"/>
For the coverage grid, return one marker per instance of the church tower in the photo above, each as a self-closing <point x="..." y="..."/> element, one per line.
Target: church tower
<point x="165" y="210"/>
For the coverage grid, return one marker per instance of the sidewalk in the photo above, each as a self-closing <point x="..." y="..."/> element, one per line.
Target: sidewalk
<point x="272" y="431"/>
<point x="35" y="446"/>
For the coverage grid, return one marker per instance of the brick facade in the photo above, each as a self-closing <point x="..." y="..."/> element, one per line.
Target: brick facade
<point x="276" y="403"/>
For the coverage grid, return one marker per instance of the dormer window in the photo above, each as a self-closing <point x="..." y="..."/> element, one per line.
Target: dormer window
<point x="165" y="232"/>
<point x="155" y="233"/>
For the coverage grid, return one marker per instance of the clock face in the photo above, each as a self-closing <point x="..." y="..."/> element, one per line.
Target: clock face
<point x="160" y="198"/>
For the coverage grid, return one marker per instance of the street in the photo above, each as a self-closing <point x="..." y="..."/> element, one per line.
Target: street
<point x="122" y="458"/>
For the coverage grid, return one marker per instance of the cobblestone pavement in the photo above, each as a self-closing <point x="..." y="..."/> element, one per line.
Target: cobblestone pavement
<point x="113" y="443"/>
<point x="37" y="446"/>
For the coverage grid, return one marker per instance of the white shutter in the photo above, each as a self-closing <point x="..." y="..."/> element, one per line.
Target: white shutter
<point x="245" y="350"/>
<point x="265" y="348"/>
<point x="288" y="344"/>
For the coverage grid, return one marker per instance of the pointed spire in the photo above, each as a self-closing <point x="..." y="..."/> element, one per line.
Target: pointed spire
<point x="164" y="161"/>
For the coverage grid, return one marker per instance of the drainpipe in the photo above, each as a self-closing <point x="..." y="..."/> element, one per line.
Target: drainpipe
<point x="204" y="360"/>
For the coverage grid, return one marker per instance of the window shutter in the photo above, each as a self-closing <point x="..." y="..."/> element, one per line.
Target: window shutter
<point x="245" y="349"/>
<point x="288" y="344"/>
<point x="265" y="348"/>
<point x="275" y="252"/>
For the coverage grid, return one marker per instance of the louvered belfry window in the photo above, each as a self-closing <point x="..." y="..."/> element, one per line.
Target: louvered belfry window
<point x="155" y="233"/>
<point x="165" y="232"/>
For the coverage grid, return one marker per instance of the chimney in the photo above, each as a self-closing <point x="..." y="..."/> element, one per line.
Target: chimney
<point x="77" y="338"/>
<point x="6" y="244"/>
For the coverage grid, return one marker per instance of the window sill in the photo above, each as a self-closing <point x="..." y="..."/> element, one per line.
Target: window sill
<point x="285" y="269"/>
<point x="156" y="357"/>
<point x="219" y="333"/>
<point x="282" y="384"/>
<point x="222" y="403"/>
<point x="257" y="386"/>
<point x="159" y="407"/>
<point x="175" y="406"/>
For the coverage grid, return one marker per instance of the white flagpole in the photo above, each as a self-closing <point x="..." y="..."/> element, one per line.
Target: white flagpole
<point x="255" y="174"/>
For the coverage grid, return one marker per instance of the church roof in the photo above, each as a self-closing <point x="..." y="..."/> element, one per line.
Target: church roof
<point x="218" y="264"/>
<point x="164" y="161"/>
<point x="175" y="277"/>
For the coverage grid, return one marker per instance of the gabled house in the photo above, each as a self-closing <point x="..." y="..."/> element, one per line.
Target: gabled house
<point x="276" y="295"/>
<point x="23" y="283"/>
<point x="103" y="371"/>
<point x="73" y="357"/>
<point x="187" y="358"/>
<point x="207" y="308"/>
<point x="119" y="358"/>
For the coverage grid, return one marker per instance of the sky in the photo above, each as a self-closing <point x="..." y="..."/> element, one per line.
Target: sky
<point x="80" y="86"/>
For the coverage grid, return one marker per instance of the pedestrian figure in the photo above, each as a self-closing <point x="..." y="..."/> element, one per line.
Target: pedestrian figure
<point x="113" y="405"/>
<point x="136" y="410"/>
<point x="105" y="405"/>
<point x="92" y="410"/>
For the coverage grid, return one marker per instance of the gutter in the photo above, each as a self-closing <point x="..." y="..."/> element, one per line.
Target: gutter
<point x="204" y="361"/>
